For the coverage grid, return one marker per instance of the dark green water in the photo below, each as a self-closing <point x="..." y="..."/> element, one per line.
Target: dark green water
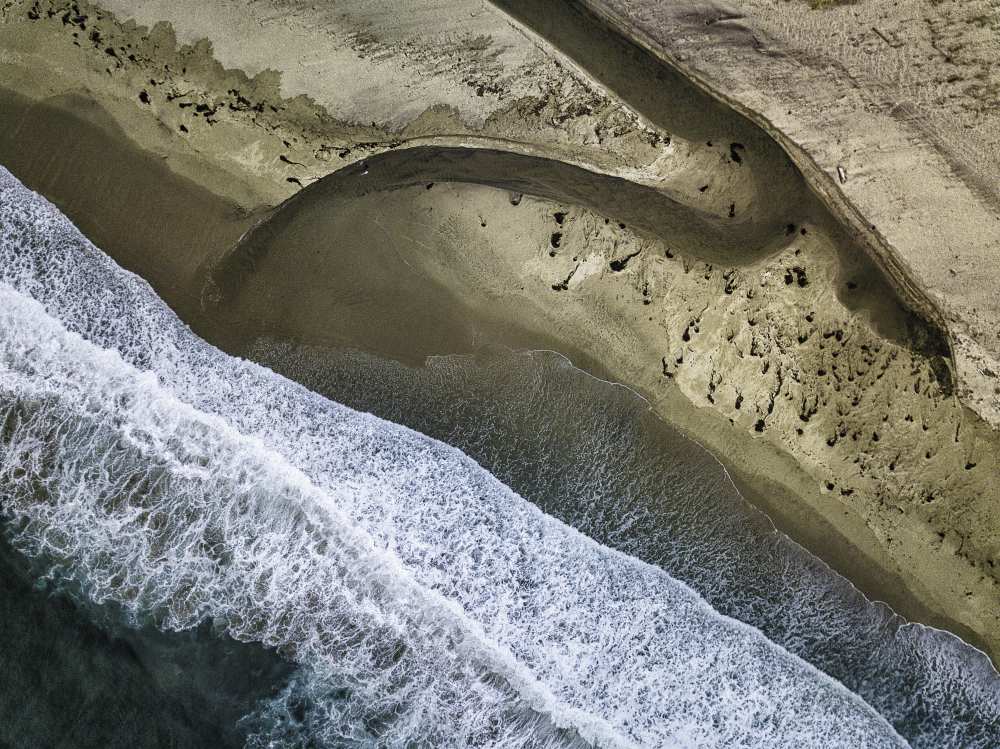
<point x="75" y="676"/>
<point x="585" y="451"/>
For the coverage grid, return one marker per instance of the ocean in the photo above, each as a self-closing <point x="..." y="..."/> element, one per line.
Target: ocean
<point x="501" y="552"/>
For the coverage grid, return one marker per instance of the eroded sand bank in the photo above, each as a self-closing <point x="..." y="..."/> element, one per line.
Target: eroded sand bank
<point x="794" y="362"/>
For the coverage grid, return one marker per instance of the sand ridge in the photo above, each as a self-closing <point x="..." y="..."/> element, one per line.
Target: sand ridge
<point x="892" y="108"/>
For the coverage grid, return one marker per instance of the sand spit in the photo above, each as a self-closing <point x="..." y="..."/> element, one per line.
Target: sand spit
<point x="490" y="217"/>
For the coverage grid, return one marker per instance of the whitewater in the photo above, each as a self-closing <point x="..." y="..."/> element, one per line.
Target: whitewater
<point x="425" y="602"/>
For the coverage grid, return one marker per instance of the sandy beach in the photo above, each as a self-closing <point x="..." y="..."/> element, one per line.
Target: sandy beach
<point x="678" y="250"/>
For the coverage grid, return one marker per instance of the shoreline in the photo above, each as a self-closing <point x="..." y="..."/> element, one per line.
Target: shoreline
<point x="798" y="505"/>
<point x="640" y="603"/>
<point x="785" y="511"/>
<point x="810" y="533"/>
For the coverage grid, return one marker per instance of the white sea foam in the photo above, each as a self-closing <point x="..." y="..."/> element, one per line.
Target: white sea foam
<point x="427" y="602"/>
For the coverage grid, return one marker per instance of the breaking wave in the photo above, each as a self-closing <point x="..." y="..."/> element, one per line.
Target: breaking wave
<point x="424" y="601"/>
<point x="595" y="455"/>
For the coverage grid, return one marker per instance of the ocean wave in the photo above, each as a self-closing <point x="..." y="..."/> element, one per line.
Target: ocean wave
<point x="426" y="602"/>
<point x="594" y="455"/>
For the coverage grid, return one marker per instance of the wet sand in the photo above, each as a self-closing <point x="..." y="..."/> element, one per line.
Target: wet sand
<point x="161" y="225"/>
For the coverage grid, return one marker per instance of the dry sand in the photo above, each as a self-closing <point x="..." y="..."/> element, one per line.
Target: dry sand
<point x="790" y="349"/>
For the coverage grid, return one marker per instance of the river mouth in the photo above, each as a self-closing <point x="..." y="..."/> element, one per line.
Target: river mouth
<point x="346" y="213"/>
<point x="193" y="270"/>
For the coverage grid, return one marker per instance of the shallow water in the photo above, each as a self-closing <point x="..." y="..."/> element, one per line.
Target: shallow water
<point x="594" y="455"/>
<point x="421" y="600"/>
